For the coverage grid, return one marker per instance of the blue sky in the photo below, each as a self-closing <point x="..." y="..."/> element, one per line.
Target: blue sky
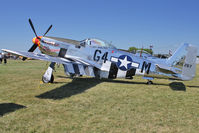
<point x="163" y="23"/>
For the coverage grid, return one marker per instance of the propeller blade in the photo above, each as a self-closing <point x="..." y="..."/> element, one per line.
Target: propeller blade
<point x="48" y="30"/>
<point x="32" y="27"/>
<point x="24" y="58"/>
<point x="34" y="46"/>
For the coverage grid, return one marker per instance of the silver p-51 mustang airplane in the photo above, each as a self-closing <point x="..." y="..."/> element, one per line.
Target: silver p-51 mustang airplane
<point x="97" y="58"/>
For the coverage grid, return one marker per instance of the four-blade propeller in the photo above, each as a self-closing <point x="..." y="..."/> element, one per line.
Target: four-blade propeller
<point x="34" y="46"/>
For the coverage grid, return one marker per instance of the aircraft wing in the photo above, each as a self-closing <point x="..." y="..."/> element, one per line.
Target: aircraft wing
<point x="83" y="61"/>
<point x="45" y="57"/>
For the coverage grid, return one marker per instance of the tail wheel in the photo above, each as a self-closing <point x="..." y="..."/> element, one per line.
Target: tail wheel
<point x="149" y="82"/>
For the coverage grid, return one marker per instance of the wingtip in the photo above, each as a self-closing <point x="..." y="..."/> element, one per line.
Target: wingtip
<point x="4" y="50"/>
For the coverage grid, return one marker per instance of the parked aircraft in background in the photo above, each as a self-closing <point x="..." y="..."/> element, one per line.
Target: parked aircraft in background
<point x="97" y="58"/>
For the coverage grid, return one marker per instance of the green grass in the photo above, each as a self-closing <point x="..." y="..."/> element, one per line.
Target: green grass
<point x="89" y="105"/>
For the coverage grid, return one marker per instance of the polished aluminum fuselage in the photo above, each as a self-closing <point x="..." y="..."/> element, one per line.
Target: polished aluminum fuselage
<point x="108" y="59"/>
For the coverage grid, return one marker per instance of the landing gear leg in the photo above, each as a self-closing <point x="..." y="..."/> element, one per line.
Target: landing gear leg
<point x="48" y="75"/>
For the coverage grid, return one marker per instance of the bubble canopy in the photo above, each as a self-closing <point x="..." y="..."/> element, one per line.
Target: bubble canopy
<point x="97" y="42"/>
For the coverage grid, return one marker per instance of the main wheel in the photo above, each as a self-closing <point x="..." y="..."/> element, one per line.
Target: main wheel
<point x="52" y="79"/>
<point x="47" y="81"/>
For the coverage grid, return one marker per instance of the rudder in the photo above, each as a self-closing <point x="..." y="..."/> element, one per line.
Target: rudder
<point x="189" y="66"/>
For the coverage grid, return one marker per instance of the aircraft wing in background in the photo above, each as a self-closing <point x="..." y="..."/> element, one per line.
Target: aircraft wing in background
<point x="71" y="64"/>
<point x="45" y="57"/>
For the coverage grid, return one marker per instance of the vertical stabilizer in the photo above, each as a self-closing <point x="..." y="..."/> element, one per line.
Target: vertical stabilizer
<point x="184" y="59"/>
<point x="189" y="67"/>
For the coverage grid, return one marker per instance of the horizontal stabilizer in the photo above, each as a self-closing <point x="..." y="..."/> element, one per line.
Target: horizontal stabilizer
<point x="167" y="69"/>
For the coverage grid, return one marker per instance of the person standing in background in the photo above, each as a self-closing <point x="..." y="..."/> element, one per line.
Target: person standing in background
<point x="0" y="58"/>
<point x="4" y="58"/>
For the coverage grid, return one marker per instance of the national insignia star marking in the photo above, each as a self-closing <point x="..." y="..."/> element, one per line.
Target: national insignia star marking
<point x="124" y="62"/>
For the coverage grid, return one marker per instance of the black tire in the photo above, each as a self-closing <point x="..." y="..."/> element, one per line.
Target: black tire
<point x="46" y="81"/>
<point x="52" y="79"/>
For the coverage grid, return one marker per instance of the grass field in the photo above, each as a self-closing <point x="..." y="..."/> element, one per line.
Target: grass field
<point x="87" y="105"/>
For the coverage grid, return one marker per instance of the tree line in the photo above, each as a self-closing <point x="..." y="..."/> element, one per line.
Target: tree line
<point x="134" y="50"/>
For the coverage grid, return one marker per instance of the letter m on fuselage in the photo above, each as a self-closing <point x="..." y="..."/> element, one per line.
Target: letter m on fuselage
<point x="145" y="66"/>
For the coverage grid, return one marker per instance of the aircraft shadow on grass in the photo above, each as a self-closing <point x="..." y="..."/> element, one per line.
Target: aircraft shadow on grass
<point x="79" y="85"/>
<point x="177" y="86"/>
<point x="9" y="107"/>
